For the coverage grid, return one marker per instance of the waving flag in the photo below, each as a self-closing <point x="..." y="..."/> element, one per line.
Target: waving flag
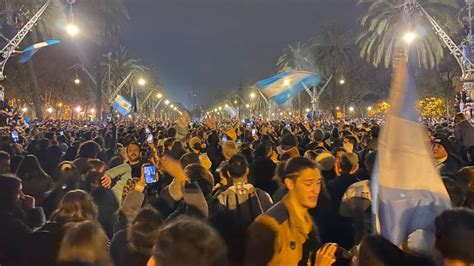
<point x="407" y="190"/>
<point x="122" y="105"/>
<point x="31" y="50"/>
<point x="282" y="87"/>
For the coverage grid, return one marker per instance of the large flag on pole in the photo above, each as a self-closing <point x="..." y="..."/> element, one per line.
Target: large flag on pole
<point x="407" y="190"/>
<point x="282" y="87"/>
<point x="31" y="50"/>
<point x="122" y="105"/>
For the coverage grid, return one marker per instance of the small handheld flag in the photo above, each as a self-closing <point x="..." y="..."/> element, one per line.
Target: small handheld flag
<point x="282" y="87"/>
<point x="31" y="50"/>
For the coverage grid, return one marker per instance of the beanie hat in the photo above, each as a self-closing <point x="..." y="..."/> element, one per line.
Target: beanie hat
<point x="444" y="142"/>
<point x="326" y="160"/>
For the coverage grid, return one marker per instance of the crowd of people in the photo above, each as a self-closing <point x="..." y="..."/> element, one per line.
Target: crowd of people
<point x="216" y="192"/>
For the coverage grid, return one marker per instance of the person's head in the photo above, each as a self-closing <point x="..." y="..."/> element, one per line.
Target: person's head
<point x="115" y="161"/>
<point x="349" y="163"/>
<point x="229" y="149"/>
<point x="67" y="175"/>
<point x="85" y="242"/>
<point x="198" y="173"/>
<point x="89" y="149"/>
<point x="238" y="167"/>
<point x="375" y="250"/>
<point x="133" y="152"/>
<point x="374" y="132"/>
<point x="30" y="168"/>
<point x="94" y="174"/>
<point x="143" y="230"/>
<point x="189" y="158"/>
<point x="10" y="192"/>
<point x="4" y="163"/>
<point x="303" y="179"/>
<point x="455" y="235"/>
<point x="76" y="206"/>
<point x="264" y="150"/>
<point x="318" y="135"/>
<point x="188" y="241"/>
<point x="441" y="148"/>
<point x="338" y="152"/>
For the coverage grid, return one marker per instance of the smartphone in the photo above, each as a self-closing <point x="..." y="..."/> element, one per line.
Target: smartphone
<point x="147" y="130"/>
<point x="149" y="138"/>
<point x="15" y="136"/>
<point x="254" y="132"/>
<point x="109" y="118"/>
<point x="224" y="138"/>
<point x="61" y="133"/>
<point x="150" y="173"/>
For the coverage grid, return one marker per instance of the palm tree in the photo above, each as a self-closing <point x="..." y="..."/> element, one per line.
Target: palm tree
<point x="332" y="52"/>
<point x="386" y="20"/>
<point x="296" y="57"/>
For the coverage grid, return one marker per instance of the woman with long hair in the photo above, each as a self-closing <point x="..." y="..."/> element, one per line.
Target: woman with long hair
<point x="35" y="180"/>
<point x="84" y="243"/>
<point x="76" y="206"/>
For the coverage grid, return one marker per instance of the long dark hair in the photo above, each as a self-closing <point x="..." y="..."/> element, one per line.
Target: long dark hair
<point x="30" y="168"/>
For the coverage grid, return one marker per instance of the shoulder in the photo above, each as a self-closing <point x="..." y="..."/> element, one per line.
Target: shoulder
<point x="278" y="214"/>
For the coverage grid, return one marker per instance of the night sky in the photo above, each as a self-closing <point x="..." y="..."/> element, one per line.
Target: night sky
<point x="210" y="45"/>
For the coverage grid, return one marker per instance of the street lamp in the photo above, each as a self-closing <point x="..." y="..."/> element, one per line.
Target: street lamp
<point x="141" y="82"/>
<point x="77" y="81"/>
<point x="159" y="95"/>
<point x="369" y="108"/>
<point x="247" y="105"/>
<point x="253" y="95"/>
<point x="307" y="110"/>
<point x="24" y="109"/>
<point x="172" y="106"/>
<point x="220" y="108"/>
<point x="72" y="29"/>
<point x="175" y="108"/>
<point x="226" y="105"/>
<point x="92" y="111"/>
<point x="50" y="110"/>
<point x="167" y="102"/>
<point x="78" y="109"/>
<point x="60" y="105"/>
<point x="409" y="37"/>
<point x="351" y="109"/>
<point x="235" y="102"/>
<point x="337" y="108"/>
<point x="342" y="81"/>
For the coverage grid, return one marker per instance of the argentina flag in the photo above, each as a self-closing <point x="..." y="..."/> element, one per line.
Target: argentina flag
<point x="122" y="105"/>
<point x="31" y="50"/>
<point x="407" y="190"/>
<point x="282" y="87"/>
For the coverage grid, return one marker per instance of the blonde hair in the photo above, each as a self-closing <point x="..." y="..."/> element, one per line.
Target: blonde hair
<point x="85" y="242"/>
<point x="76" y="206"/>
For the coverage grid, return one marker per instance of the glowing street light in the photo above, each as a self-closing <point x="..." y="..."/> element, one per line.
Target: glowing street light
<point x="172" y="106"/>
<point x="92" y="111"/>
<point x="50" y="110"/>
<point x="24" y="109"/>
<point x="159" y="96"/>
<point x="409" y="37"/>
<point x="60" y="105"/>
<point x="253" y="95"/>
<point x="77" y="81"/>
<point x="220" y="108"/>
<point x="337" y="108"/>
<point x="247" y="105"/>
<point x="78" y="109"/>
<point x="307" y="110"/>
<point x="369" y="108"/>
<point x="351" y="109"/>
<point x="175" y="108"/>
<point x="226" y="105"/>
<point x="72" y="29"/>
<point x="167" y="102"/>
<point x="235" y="102"/>
<point x="342" y="81"/>
<point x="141" y="82"/>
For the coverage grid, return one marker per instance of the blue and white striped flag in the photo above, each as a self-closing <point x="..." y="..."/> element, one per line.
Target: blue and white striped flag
<point x="31" y="50"/>
<point x="122" y="105"/>
<point x="282" y="87"/>
<point x="407" y="190"/>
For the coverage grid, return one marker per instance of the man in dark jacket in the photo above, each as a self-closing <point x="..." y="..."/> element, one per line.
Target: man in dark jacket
<point x="463" y="130"/>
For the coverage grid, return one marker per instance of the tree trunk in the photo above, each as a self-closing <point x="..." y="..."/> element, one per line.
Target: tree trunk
<point x="98" y="92"/>
<point x="34" y="88"/>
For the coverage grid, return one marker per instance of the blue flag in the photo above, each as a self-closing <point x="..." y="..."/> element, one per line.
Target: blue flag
<point x="282" y="87"/>
<point x="31" y="50"/>
<point x="407" y="190"/>
<point x="122" y="105"/>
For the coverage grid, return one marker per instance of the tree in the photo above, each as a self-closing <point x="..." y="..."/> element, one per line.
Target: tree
<point x="385" y="21"/>
<point x="332" y="52"/>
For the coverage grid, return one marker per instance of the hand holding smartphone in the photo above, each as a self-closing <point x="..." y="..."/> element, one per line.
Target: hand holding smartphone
<point x="149" y="171"/>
